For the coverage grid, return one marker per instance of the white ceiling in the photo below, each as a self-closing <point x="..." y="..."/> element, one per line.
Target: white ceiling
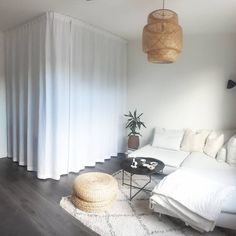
<point x="126" y="18"/>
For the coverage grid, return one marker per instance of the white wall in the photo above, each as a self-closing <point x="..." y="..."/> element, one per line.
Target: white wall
<point x="3" y="136"/>
<point x="189" y="93"/>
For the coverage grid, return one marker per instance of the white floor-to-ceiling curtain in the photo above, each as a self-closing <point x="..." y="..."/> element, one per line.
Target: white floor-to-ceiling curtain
<point x="66" y="88"/>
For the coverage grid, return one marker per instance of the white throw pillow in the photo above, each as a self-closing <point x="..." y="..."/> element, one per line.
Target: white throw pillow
<point x="168" y="139"/>
<point x="194" y="141"/>
<point x="228" y="134"/>
<point x="214" y="143"/>
<point x="231" y="151"/>
<point x="221" y="155"/>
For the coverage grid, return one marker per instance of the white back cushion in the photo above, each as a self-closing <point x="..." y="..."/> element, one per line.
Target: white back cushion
<point x="214" y="143"/>
<point x="222" y="154"/>
<point x="194" y="141"/>
<point x="168" y="139"/>
<point x="228" y="134"/>
<point x="231" y="151"/>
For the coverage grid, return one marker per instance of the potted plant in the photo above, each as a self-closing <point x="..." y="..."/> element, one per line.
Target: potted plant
<point x="134" y="124"/>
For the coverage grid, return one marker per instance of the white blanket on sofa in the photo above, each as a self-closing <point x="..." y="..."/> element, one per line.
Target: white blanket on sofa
<point x="194" y="199"/>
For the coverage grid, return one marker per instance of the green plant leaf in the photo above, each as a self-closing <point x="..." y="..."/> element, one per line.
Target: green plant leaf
<point x="134" y="123"/>
<point x="135" y="114"/>
<point x="129" y="124"/>
<point x="139" y="125"/>
<point x="143" y="124"/>
<point x="140" y="115"/>
<point x="130" y="114"/>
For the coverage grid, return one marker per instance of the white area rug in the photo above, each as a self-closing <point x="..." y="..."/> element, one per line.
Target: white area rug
<point x="133" y="218"/>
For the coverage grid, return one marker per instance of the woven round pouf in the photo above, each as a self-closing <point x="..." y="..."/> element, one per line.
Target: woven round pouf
<point x="94" y="191"/>
<point x="95" y="207"/>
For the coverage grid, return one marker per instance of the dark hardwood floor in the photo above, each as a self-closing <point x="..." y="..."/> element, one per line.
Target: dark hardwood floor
<point x="30" y="207"/>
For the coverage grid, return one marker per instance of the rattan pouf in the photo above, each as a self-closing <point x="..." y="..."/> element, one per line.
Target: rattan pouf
<point x="94" y="192"/>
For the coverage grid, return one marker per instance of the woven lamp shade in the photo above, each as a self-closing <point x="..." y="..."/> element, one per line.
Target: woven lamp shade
<point x="162" y="37"/>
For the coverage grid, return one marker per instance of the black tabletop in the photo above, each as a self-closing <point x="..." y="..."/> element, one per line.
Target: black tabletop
<point x="140" y="170"/>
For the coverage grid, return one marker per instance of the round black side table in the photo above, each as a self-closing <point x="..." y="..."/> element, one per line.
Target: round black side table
<point x="140" y="170"/>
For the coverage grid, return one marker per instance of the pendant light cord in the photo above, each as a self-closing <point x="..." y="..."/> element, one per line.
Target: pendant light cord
<point x="163" y="7"/>
<point x="163" y="4"/>
<point x="163" y="15"/>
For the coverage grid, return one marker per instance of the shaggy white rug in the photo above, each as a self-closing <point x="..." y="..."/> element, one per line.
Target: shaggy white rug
<point x="133" y="218"/>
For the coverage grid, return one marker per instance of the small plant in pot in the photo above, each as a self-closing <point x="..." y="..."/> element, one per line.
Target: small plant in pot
<point x="134" y="123"/>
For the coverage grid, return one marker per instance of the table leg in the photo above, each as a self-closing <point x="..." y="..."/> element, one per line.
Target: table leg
<point x="130" y="188"/>
<point x="123" y="177"/>
<point x="131" y="185"/>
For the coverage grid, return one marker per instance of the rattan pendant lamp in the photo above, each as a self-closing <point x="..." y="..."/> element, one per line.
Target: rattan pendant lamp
<point x="162" y="36"/>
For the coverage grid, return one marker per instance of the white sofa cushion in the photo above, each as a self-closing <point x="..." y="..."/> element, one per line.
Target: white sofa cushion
<point x="169" y="157"/>
<point x="231" y="151"/>
<point x="214" y="143"/>
<point x="221" y="155"/>
<point x="229" y="205"/>
<point x="228" y="134"/>
<point x="200" y="161"/>
<point x="222" y="173"/>
<point x="194" y="141"/>
<point x="168" y="139"/>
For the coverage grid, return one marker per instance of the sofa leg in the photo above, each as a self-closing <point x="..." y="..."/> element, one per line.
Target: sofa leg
<point x="159" y="216"/>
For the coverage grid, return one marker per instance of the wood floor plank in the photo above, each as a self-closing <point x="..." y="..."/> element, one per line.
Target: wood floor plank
<point x="39" y="209"/>
<point x="32" y="205"/>
<point x="14" y="221"/>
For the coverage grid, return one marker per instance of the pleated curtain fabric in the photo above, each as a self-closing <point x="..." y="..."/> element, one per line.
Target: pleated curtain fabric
<point x="66" y="93"/>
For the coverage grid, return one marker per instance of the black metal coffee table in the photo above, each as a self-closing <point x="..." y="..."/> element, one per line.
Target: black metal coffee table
<point x="140" y="170"/>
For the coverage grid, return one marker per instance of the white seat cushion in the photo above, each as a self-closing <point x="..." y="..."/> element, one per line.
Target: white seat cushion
<point x="229" y="206"/>
<point x="169" y="157"/>
<point x="222" y="173"/>
<point x="199" y="160"/>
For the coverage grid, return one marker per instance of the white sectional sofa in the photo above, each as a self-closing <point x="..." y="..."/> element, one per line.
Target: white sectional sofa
<point x="202" y="165"/>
